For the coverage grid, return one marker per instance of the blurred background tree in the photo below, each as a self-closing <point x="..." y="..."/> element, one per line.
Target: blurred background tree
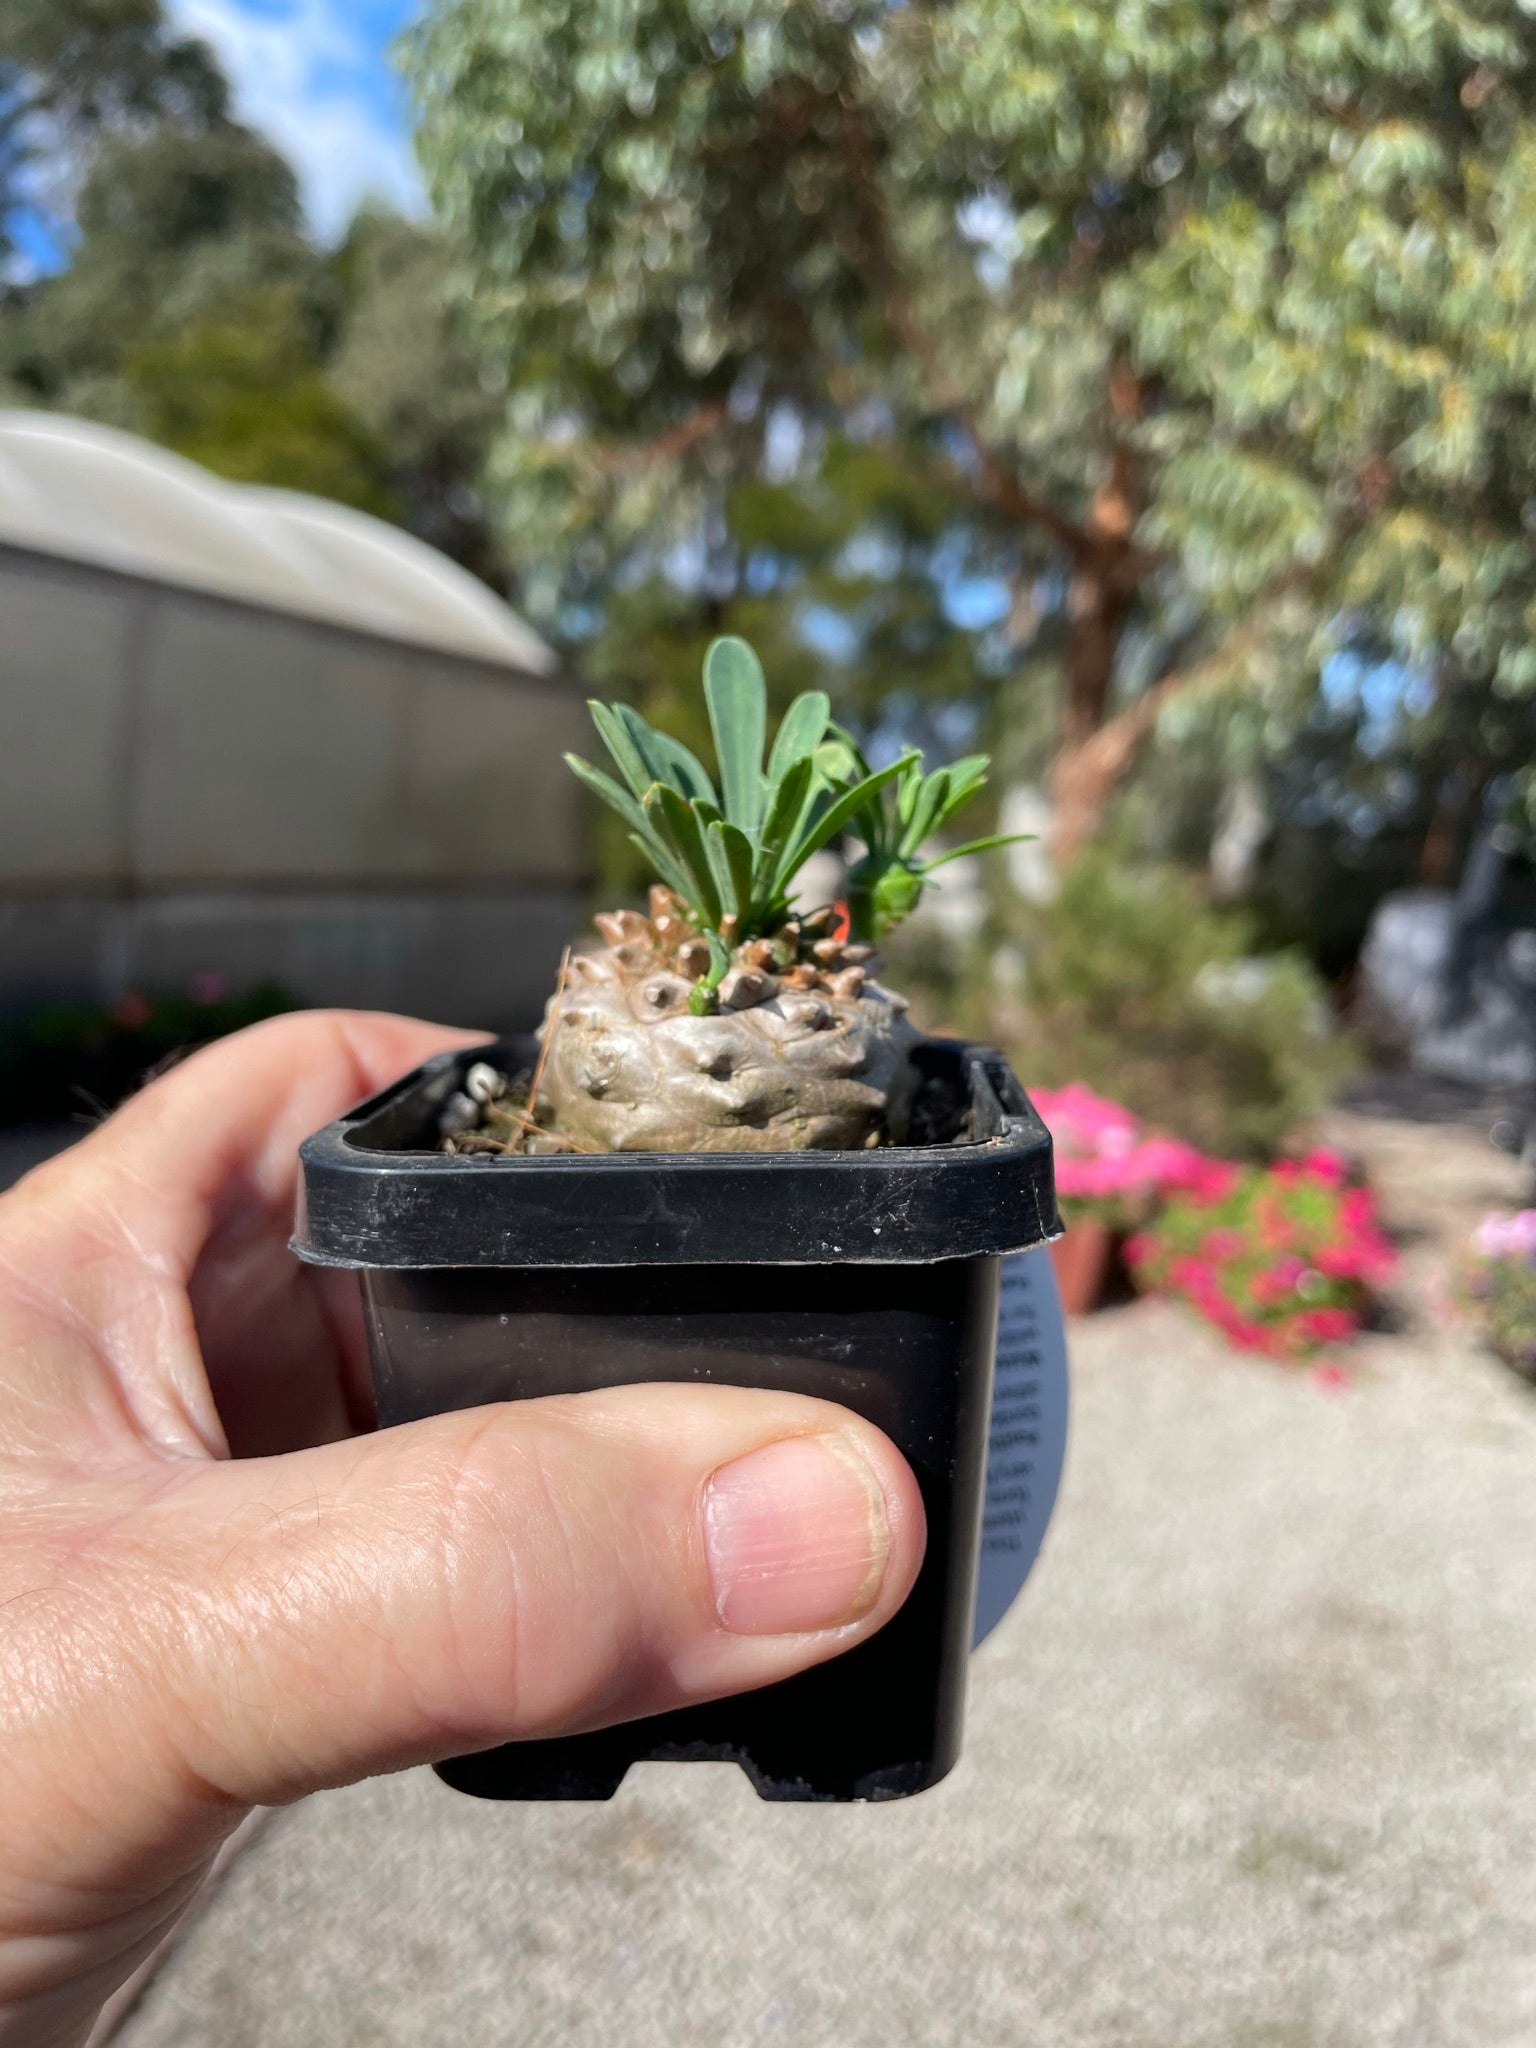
<point x="1119" y="354"/>
<point x="188" y="302"/>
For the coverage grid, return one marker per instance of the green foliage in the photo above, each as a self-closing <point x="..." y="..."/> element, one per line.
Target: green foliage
<point x="732" y="853"/>
<point x="1135" y="986"/>
<point x="403" y="364"/>
<point x="885" y="884"/>
<point x="78" y="72"/>
<point x="196" y="310"/>
<point x="244" y="399"/>
<point x="1205" y="330"/>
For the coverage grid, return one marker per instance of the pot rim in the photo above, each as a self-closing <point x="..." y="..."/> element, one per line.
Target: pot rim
<point x="367" y="1203"/>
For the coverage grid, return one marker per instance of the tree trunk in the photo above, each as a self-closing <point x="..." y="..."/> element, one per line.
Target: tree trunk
<point x="1090" y="761"/>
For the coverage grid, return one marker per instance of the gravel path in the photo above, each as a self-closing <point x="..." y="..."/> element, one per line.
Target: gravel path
<point x="1251" y="1765"/>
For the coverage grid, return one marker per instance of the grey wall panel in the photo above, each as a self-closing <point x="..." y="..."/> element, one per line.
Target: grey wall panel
<point x="462" y="959"/>
<point x="486" y="789"/>
<point x="66" y="649"/>
<point x="268" y="751"/>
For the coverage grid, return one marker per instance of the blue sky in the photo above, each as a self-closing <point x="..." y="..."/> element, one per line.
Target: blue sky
<point x="315" y="76"/>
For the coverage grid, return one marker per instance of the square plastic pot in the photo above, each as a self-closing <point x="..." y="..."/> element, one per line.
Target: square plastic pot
<point x="866" y="1278"/>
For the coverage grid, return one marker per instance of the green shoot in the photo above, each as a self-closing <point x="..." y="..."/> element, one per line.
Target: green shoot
<point x="730" y="852"/>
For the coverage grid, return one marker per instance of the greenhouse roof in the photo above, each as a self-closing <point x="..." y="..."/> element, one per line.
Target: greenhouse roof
<point x="87" y="493"/>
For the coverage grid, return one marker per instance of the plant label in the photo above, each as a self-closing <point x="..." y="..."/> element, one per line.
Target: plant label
<point x="1028" y="1438"/>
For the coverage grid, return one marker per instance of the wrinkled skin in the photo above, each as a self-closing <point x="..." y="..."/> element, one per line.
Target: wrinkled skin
<point x="210" y="1599"/>
<point x="629" y="1070"/>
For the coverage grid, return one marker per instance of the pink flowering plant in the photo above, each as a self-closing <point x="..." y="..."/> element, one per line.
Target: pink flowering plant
<point x="1107" y="1167"/>
<point x="1284" y="1259"/>
<point x="1498" y="1286"/>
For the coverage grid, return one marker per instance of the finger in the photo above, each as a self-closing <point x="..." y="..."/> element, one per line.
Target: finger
<point x="99" y="1247"/>
<point x="509" y="1572"/>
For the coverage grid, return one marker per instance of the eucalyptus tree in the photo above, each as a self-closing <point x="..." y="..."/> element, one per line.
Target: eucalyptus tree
<point x="1199" y="332"/>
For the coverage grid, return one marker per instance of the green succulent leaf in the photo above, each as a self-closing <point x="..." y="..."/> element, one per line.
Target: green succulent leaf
<point x="966" y="776"/>
<point x="733" y="852"/>
<point x="664" y="864"/>
<point x="666" y="759"/>
<point x="825" y="824"/>
<point x="801" y="731"/>
<point x="926" y="812"/>
<point x="645" y="835"/>
<point x="790" y="797"/>
<point x="737" y="697"/>
<point x="731" y="858"/>
<point x="616" y="737"/>
<point x="976" y="846"/>
<point x="679" y="824"/>
<point x="702" y="1000"/>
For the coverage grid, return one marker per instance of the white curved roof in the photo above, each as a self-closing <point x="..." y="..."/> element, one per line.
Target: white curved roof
<point x="91" y="494"/>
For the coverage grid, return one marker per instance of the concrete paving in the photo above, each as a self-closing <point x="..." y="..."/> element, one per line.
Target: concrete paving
<point x="1251" y="1765"/>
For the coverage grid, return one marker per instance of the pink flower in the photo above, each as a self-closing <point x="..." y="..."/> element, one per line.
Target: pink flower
<point x="1329" y="1377"/>
<point x="1278" y="1280"/>
<point x="209" y="987"/>
<point x="1188" y="1271"/>
<point x="1326" y="1165"/>
<point x="1170" y="1166"/>
<point x="1507" y="1236"/>
<point x="1328" y="1325"/>
<point x="1248" y="1336"/>
<point x="133" y="1010"/>
<point x="1085" y="1125"/>
<point x="1222" y="1244"/>
<point x="1214" y="1180"/>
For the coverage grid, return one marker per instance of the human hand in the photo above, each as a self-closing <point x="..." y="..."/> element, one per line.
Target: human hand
<point x="209" y="1600"/>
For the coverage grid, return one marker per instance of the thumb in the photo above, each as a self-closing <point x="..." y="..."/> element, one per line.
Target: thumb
<point x="523" y="1570"/>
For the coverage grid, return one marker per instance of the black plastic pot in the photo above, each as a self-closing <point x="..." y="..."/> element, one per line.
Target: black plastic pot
<point x="867" y="1278"/>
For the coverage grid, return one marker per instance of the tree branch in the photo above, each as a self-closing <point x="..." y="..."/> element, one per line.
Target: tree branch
<point x="704" y="421"/>
<point x="876" y="257"/>
<point x="1084" y="776"/>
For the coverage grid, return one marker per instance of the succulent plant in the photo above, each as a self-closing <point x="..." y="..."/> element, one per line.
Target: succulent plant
<point x="895" y="821"/>
<point x="729" y="1018"/>
<point x="731" y="855"/>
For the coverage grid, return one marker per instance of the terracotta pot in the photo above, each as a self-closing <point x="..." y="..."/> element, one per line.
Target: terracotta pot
<point x="1081" y="1258"/>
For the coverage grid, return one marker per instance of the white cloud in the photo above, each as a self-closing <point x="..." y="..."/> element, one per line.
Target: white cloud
<point x="310" y="81"/>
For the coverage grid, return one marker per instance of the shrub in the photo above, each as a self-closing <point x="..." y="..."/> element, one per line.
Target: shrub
<point x="59" y="1059"/>
<point x="1284" y="1260"/>
<point x="1136" y="986"/>
<point x="1498" y="1286"/>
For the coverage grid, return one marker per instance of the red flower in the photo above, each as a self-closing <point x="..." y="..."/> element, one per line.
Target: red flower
<point x="132" y="1010"/>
